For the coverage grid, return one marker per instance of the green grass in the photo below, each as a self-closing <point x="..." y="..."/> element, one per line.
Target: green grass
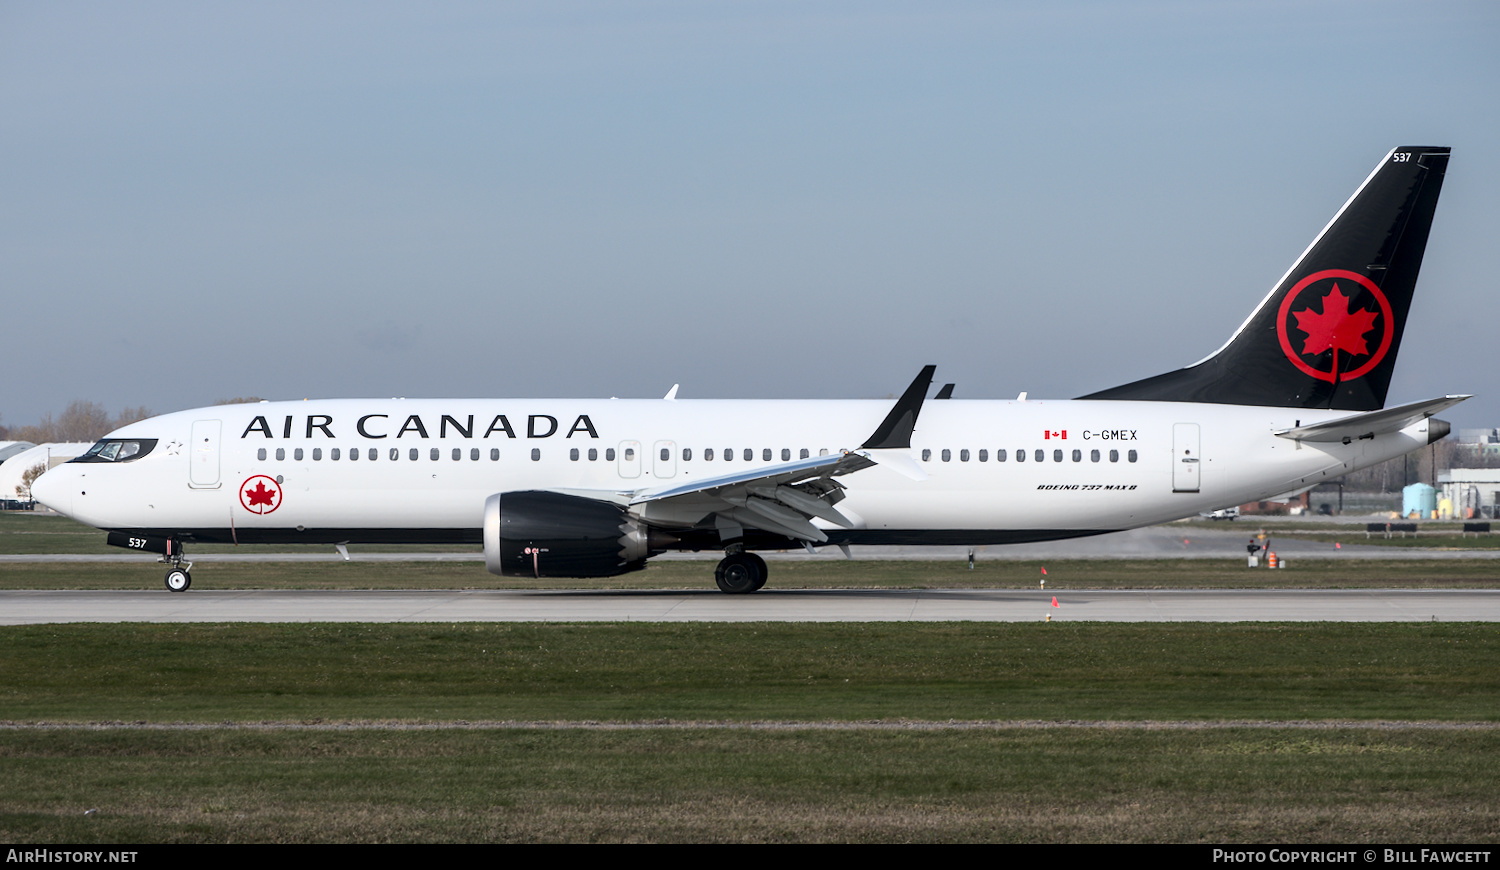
<point x="1355" y="781"/>
<point x="749" y="672"/>
<point x="1005" y="785"/>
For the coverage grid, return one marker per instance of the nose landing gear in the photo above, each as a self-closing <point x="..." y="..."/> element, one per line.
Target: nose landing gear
<point x="178" y="579"/>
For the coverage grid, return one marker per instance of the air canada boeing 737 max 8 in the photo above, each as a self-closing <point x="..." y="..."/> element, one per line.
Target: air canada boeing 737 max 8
<point x="593" y="488"/>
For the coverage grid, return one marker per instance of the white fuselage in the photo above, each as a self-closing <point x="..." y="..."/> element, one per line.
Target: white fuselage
<point x="425" y="467"/>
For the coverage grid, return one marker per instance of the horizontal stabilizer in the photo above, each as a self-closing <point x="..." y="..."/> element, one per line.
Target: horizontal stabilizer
<point x="1371" y="423"/>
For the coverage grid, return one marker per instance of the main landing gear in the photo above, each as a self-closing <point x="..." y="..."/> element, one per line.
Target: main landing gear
<point x="740" y="572"/>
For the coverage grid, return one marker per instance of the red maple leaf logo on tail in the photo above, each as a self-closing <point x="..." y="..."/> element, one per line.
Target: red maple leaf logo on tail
<point x="1336" y="328"/>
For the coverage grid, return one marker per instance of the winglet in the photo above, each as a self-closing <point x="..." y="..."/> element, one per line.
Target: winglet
<point x="946" y="392"/>
<point x="895" y="431"/>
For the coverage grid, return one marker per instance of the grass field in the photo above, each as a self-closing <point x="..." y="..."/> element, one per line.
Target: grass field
<point x="880" y="754"/>
<point x="749" y="672"/>
<point x="1005" y="785"/>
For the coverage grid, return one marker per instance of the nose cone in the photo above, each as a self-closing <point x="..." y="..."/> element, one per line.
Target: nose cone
<point x="53" y="490"/>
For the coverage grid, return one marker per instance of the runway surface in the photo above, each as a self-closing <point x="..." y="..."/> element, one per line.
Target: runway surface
<point x="1261" y="605"/>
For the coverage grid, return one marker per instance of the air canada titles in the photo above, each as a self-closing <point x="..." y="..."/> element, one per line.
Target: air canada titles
<point x="377" y="426"/>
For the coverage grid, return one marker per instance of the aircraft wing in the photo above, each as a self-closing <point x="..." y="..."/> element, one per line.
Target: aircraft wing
<point x="1371" y="423"/>
<point x="785" y="498"/>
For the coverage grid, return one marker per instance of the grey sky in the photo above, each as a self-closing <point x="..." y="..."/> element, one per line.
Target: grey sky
<point x="294" y="200"/>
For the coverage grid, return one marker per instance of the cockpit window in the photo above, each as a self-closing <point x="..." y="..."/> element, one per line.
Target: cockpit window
<point x="118" y="450"/>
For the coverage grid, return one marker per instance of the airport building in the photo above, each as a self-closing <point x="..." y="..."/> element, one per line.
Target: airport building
<point x="1472" y="492"/>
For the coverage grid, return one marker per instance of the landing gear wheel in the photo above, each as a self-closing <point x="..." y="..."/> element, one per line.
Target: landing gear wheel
<point x="764" y="571"/>
<point x="740" y="573"/>
<point x="178" y="580"/>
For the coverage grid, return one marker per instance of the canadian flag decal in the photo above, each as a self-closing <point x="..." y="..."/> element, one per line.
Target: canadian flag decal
<point x="1049" y="434"/>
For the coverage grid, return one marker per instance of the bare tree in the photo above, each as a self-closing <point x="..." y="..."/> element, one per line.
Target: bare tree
<point x="82" y="421"/>
<point x="240" y="400"/>
<point x="28" y="477"/>
<point x="41" y="433"/>
<point x="131" y="415"/>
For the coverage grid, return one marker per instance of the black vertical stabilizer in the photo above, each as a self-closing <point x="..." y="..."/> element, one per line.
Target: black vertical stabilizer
<point x="1327" y="335"/>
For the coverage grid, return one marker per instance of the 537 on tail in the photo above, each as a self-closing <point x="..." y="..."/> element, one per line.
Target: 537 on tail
<point x="594" y="488"/>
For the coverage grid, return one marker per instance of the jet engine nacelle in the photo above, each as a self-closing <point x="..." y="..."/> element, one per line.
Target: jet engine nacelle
<point x="537" y="533"/>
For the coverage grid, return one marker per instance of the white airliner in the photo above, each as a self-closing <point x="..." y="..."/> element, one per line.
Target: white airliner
<point x="592" y="488"/>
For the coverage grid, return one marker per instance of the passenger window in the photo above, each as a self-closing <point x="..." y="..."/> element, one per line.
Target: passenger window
<point x="687" y="454"/>
<point x="1093" y="456"/>
<point x="963" y="455"/>
<point x="1077" y="455"/>
<point x="823" y="452"/>
<point x="573" y="454"/>
<point x="786" y="454"/>
<point x="999" y="455"/>
<point x="434" y="455"/>
<point x="395" y="453"/>
<point x="317" y="454"/>
<point x="412" y="454"/>
<point x="1057" y="456"/>
<point x="1020" y="456"/>
<point x="495" y="454"/>
<point x="333" y="454"/>
<point x="805" y="453"/>
<point x="984" y="456"/>
<point x="666" y="454"/>
<point x="297" y="454"/>
<point x="280" y="454"/>
<point x="374" y="454"/>
<point x="593" y="454"/>
<point x="609" y="454"/>
<point x="765" y="455"/>
<point x="708" y="454"/>
<point x="947" y="454"/>
<point x="1114" y="456"/>
<point x="1041" y="455"/>
<point x="474" y="454"/>
<point x="926" y="455"/>
<point x="261" y="454"/>
<point x="536" y="454"/>
<point x="458" y="453"/>
<point x="1131" y="455"/>
<point x="750" y="455"/>
<point x="629" y="454"/>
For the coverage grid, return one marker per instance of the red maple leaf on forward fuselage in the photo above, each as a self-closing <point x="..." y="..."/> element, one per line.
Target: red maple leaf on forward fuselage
<point x="1337" y="328"/>
<point x="259" y="495"/>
